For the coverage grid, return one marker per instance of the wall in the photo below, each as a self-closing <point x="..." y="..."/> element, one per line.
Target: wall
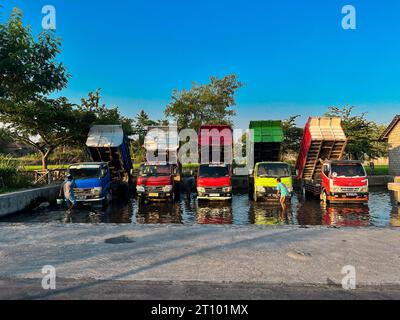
<point x="18" y="201"/>
<point x="394" y="151"/>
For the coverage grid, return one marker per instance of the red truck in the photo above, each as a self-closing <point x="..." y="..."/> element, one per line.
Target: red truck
<point x="159" y="177"/>
<point x="320" y="168"/>
<point x="214" y="178"/>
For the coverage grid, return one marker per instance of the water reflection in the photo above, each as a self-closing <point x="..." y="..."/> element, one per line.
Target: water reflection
<point x="270" y="214"/>
<point x="382" y="211"/>
<point x="158" y="213"/>
<point x="214" y="213"/>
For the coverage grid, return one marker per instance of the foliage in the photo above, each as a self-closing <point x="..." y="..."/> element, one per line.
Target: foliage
<point x="363" y="135"/>
<point x="208" y="103"/>
<point x="10" y="176"/>
<point x="95" y="113"/>
<point x="28" y="67"/>
<point x="292" y="136"/>
<point x="29" y="71"/>
<point x="5" y="139"/>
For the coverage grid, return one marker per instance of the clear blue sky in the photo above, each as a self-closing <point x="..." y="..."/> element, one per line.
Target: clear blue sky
<point x="293" y="56"/>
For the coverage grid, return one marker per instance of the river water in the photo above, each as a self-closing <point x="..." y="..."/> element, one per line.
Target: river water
<point x="381" y="211"/>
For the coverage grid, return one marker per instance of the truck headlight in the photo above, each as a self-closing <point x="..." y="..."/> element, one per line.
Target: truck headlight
<point x="260" y="189"/>
<point x="97" y="190"/>
<point x="167" y="188"/>
<point x="201" y="190"/>
<point x="227" y="189"/>
<point x="337" y="189"/>
<point x="364" y="189"/>
<point x="140" y="189"/>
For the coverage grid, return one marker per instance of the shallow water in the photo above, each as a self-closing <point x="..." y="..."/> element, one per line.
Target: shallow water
<point x="381" y="211"/>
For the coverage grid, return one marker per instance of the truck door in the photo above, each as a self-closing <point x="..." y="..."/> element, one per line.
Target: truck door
<point x="325" y="177"/>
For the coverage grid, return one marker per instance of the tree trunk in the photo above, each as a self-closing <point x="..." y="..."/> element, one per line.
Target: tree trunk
<point x="45" y="158"/>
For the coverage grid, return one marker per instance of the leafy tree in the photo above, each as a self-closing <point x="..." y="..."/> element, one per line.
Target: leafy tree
<point x="28" y="72"/>
<point x="5" y="139"/>
<point x="292" y="136"/>
<point x="207" y="103"/>
<point x="44" y="124"/>
<point x="28" y="67"/>
<point x="96" y="113"/>
<point x="141" y="121"/>
<point x="363" y="135"/>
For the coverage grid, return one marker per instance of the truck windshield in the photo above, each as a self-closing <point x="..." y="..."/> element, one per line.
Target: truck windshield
<point x="153" y="171"/>
<point x="348" y="170"/>
<point x="206" y="171"/>
<point x="273" y="170"/>
<point x="85" y="173"/>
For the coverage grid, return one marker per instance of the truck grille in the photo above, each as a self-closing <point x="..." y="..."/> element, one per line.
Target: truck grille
<point x="213" y="190"/>
<point x="154" y="189"/>
<point x="350" y="189"/>
<point x="82" y="192"/>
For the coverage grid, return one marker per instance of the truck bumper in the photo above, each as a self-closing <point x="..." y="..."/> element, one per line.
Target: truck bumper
<point x="89" y="200"/>
<point x="344" y="198"/>
<point x="221" y="197"/>
<point x="155" y="196"/>
<point x="269" y="196"/>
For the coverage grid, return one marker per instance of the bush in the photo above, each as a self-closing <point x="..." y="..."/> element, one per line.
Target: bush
<point x="10" y="177"/>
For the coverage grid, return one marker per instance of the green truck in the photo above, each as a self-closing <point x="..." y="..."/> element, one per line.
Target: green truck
<point x="264" y="160"/>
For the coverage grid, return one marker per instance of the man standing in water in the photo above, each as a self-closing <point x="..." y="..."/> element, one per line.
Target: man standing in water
<point x="283" y="193"/>
<point x="68" y="190"/>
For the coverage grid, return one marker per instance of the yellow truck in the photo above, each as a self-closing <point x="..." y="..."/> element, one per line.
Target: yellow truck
<point x="265" y="155"/>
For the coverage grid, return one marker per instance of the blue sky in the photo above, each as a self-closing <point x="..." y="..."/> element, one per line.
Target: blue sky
<point x="293" y="56"/>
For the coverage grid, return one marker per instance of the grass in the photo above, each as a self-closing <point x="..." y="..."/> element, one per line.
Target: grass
<point x="381" y="170"/>
<point x="39" y="167"/>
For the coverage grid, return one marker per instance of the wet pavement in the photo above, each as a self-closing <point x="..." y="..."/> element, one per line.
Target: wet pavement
<point x="381" y="211"/>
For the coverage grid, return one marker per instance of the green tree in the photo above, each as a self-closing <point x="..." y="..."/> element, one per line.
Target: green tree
<point x="44" y="124"/>
<point x="29" y="72"/>
<point x="207" y="103"/>
<point x="94" y="112"/>
<point x="5" y="139"/>
<point x="28" y="66"/>
<point x="292" y="136"/>
<point x="141" y="121"/>
<point x="363" y="135"/>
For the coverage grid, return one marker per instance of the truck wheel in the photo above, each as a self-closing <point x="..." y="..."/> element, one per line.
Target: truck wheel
<point x="251" y="191"/>
<point x="176" y="193"/>
<point x="306" y="194"/>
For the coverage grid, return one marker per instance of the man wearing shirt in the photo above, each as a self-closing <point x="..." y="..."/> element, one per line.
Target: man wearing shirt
<point x="283" y="193"/>
<point x="68" y="190"/>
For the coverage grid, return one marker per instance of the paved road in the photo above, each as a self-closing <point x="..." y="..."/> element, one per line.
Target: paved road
<point x="203" y="261"/>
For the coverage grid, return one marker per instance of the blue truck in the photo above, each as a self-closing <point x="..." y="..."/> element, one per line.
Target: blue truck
<point x="109" y="175"/>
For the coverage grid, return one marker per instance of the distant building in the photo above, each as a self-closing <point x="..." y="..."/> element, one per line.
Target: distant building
<point x="392" y="136"/>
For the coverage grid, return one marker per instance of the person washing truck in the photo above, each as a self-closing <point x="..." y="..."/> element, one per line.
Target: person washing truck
<point x="67" y="189"/>
<point x="283" y="193"/>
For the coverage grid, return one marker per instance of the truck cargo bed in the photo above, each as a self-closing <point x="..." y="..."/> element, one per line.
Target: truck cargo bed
<point x="324" y="139"/>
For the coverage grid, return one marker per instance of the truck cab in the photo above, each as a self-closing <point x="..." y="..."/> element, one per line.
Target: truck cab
<point x="92" y="182"/>
<point x="214" y="182"/>
<point x="265" y="179"/>
<point x="344" y="181"/>
<point x="158" y="182"/>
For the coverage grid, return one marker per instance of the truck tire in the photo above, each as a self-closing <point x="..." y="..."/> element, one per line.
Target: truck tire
<point x="108" y="199"/>
<point x="307" y="195"/>
<point x="177" y="191"/>
<point x="251" y="189"/>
